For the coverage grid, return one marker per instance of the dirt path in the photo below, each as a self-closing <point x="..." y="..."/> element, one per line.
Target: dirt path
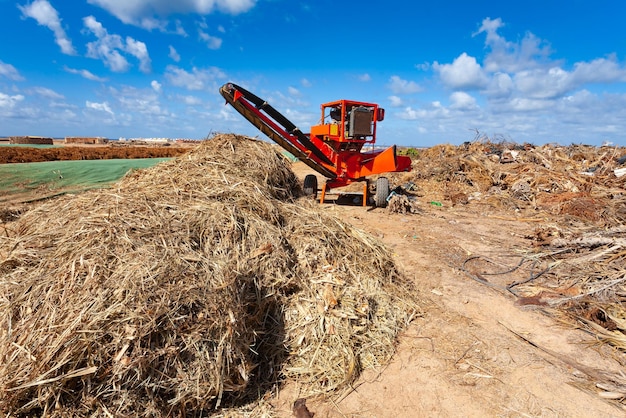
<point x="474" y="353"/>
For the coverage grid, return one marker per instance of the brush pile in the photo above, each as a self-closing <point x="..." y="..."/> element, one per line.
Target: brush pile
<point x="576" y="268"/>
<point x="200" y="283"/>
<point x="576" y="181"/>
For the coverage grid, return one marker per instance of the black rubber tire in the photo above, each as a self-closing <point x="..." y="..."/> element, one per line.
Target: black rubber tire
<point x="382" y="192"/>
<point x="310" y="185"/>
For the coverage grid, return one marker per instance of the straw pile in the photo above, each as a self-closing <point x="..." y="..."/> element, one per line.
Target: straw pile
<point x="196" y="284"/>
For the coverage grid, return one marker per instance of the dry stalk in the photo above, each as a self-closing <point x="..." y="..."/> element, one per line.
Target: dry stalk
<point x="198" y="283"/>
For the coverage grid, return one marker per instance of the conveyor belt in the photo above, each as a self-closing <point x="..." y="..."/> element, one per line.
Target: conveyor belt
<point x="252" y="115"/>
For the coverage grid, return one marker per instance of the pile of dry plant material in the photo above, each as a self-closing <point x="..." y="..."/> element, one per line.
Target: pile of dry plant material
<point x="400" y="203"/>
<point x="576" y="181"/>
<point x="200" y="283"/>
<point x="585" y="277"/>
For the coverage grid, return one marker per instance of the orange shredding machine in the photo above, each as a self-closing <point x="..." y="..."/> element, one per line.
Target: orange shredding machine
<point x="334" y="148"/>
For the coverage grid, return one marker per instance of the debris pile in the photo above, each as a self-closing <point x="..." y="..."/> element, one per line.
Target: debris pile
<point x="576" y="181"/>
<point x="585" y="279"/>
<point x="401" y="203"/>
<point x="190" y="286"/>
<point x="576" y="267"/>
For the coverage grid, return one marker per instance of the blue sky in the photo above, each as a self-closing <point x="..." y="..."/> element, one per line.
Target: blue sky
<point x="533" y="71"/>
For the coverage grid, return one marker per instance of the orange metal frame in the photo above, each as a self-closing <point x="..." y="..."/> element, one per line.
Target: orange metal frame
<point x="351" y="163"/>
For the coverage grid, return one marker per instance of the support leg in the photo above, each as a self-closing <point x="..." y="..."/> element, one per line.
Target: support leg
<point x="365" y="189"/>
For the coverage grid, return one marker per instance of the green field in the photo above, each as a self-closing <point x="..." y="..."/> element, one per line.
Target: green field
<point x="40" y="180"/>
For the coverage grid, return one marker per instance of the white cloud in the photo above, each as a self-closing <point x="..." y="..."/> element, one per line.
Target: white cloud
<point x="8" y="102"/>
<point x="396" y="101"/>
<point x="190" y="100"/>
<point x="139" y="50"/>
<point x="197" y="79"/>
<point x="490" y="27"/>
<point x="500" y="86"/>
<point x="156" y="86"/>
<point x="108" y="47"/>
<point x="299" y="118"/>
<point x="414" y="114"/>
<point x="212" y="42"/>
<point x="47" y="16"/>
<point x="286" y="102"/>
<point x="10" y="72"/>
<point x="293" y="91"/>
<point x="523" y="71"/>
<point x="143" y="12"/>
<point x="306" y="83"/>
<point x="400" y="86"/>
<point x="600" y="70"/>
<point x="529" y="95"/>
<point x="144" y="101"/>
<point x="85" y="74"/>
<point x="460" y="100"/>
<point x="173" y="54"/>
<point x="96" y="27"/>
<point x="365" y="77"/>
<point x="48" y="93"/>
<point x="463" y="73"/>
<point x="524" y="104"/>
<point x="227" y="114"/>
<point x="103" y="107"/>
<point x="583" y="100"/>
<point x="411" y="114"/>
<point x="507" y="56"/>
<point x="542" y="84"/>
<point x="435" y="113"/>
<point x="556" y="82"/>
<point x="179" y="29"/>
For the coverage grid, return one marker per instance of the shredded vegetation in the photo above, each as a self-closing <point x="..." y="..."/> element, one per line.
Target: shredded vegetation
<point x="191" y="288"/>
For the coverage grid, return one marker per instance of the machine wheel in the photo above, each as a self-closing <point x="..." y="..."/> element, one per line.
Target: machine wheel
<point x="310" y="185"/>
<point x="382" y="192"/>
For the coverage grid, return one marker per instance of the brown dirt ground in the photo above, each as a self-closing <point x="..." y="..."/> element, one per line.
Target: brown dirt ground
<point x="473" y="353"/>
<point x="88" y="152"/>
